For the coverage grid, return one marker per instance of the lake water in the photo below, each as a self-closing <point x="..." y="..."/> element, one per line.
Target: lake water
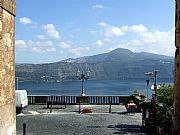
<point x="91" y="87"/>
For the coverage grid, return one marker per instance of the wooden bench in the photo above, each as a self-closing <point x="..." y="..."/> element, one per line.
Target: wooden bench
<point x="56" y="103"/>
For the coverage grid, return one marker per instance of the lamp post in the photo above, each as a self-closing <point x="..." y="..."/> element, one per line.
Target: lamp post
<point x="83" y="76"/>
<point x="17" y="85"/>
<point x="153" y="74"/>
<point x="147" y="83"/>
<point x="154" y="98"/>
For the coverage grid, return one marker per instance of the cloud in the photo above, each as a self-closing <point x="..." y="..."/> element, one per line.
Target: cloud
<point x="37" y="49"/>
<point x="51" y="49"/>
<point x="160" y="42"/>
<point x="138" y="28"/>
<point x="99" y="43"/>
<point x="20" y="44"/>
<point x="112" y="31"/>
<point x="41" y="37"/>
<point x="44" y="46"/>
<point x="35" y="46"/>
<point x="139" y="38"/>
<point x="107" y="40"/>
<point x="102" y="24"/>
<point x="112" y="48"/>
<point x="93" y="32"/>
<point x="79" y="51"/>
<point x="64" y="45"/>
<point x="61" y="51"/>
<point x="72" y="35"/>
<point x="98" y="6"/>
<point x="134" y="28"/>
<point x="26" y="21"/>
<point x="51" y="31"/>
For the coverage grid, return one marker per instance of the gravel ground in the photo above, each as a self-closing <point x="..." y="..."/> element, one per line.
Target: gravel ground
<point x="69" y="122"/>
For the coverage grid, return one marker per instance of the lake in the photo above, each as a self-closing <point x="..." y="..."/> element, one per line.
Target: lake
<point x="91" y="87"/>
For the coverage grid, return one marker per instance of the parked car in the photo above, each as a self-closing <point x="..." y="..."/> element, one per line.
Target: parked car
<point x="21" y="100"/>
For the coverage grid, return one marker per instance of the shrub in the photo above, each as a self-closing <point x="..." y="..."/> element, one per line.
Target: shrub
<point x="164" y="108"/>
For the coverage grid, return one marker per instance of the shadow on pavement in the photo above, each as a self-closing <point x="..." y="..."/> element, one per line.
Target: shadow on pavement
<point x="125" y="112"/>
<point x="126" y="129"/>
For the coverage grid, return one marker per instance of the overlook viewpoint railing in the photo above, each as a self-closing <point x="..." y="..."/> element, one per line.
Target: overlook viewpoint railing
<point x="72" y="100"/>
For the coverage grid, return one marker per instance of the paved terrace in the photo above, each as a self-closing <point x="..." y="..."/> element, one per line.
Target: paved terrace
<point x="39" y="121"/>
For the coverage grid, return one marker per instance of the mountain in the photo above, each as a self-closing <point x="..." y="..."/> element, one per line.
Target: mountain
<point x="117" y="64"/>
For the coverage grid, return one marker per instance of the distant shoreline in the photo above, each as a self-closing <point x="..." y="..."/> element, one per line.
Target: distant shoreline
<point x="91" y="87"/>
<point x="128" y="79"/>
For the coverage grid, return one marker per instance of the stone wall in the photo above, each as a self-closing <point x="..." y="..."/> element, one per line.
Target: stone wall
<point x="176" y="114"/>
<point x="7" y="72"/>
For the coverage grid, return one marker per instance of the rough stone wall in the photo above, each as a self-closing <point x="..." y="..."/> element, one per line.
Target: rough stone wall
<point x="7" y="72"/>
<point x="176" y="105"/>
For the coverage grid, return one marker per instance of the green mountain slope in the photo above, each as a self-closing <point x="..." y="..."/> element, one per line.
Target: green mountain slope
<point x="117" y="64"/>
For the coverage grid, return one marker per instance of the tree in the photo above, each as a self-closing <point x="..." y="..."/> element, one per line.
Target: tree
<point x="164" y="107"/>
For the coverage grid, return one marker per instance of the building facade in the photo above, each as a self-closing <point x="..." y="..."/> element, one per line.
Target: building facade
<point x="7" y="68"/>
<point x="176" y="105"/>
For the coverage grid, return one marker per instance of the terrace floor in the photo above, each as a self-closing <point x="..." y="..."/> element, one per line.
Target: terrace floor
<point x="39" y="121"/>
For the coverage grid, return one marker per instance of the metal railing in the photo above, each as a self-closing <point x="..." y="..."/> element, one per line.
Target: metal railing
<point x="96" y="100"/>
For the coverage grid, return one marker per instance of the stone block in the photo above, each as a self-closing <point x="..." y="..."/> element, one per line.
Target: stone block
<point x="9" y="5"/>
<point x="177" y="29"/>
<point x="177" y="38"/>
<point x="7" y="119"/>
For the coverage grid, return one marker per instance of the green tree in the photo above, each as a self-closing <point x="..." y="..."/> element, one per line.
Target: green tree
<point x="164" y="107"/>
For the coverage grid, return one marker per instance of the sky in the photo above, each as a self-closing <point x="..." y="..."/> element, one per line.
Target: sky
<point x="53" y="30"/>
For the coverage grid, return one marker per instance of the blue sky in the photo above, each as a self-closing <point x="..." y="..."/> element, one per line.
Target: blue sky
<point x="52" y="30"/>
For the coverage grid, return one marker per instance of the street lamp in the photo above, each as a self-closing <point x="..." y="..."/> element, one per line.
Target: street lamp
<point x="83" y="76"/>
<point x="147" y="83"/>
<point x="17" y="83"/>
<point x="153" y="74"/>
